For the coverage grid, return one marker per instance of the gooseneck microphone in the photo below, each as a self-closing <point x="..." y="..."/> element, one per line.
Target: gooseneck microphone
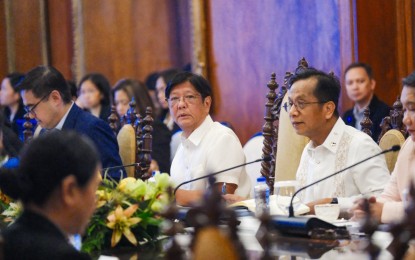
<point x="119" y="167"/>
<point x="394" y="148"/>
<point x="265" y="159"/>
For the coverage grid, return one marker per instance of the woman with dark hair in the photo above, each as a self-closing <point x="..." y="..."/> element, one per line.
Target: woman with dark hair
<point x="11" y="100"/>
<point x="56" y="182"/>
<point x="123" y="92"/>
<point x="164" y="78"/>
<point x="95" y="91"/>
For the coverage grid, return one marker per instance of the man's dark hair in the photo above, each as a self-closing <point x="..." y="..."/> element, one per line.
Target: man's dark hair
<point x="327" y="87"/>
<point x="200" y="83"/>
<point x="363" y="65"/>
<point x="74" y="89"/>
<point x="44" y="79"/>
<point x="409" y="80"/>
<point x="102" y="84"/>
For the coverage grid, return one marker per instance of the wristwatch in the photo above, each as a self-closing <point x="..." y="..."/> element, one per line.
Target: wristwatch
<point x="334" y="201"/>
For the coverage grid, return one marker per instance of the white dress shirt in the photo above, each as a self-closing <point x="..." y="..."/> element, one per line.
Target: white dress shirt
<point x="343" y="147"/>
<point x="212" y="147"/>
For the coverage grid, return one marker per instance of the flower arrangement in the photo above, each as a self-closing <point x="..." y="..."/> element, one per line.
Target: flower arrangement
<point x="9" y="210"/>
<point x="127" y="212"/>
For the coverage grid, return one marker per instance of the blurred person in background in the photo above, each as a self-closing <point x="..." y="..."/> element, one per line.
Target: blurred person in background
<point x="95" y="94"/>
<point x="164" y="78"/>
<point x="151" y="86"/>
<point x="13" y="105"/>
<point x="123" y="92"/>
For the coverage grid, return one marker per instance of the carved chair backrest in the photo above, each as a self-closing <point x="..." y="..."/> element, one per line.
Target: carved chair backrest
<point x="278" y="132"/>
<point x="394" y="120"/>
<point x="134" y="135"/>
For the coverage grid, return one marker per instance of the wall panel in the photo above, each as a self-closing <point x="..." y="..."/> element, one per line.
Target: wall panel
<point x="61" y="36"/>
<point x="378" y="45"/>
<point x="26" y="18"/>
<point x="134" y="38"/>
<point x="3" y="40"/>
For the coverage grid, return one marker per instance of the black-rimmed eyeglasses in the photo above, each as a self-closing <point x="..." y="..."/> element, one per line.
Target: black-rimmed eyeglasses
<point x="31" y="109"/>
<point x="299" y="105"/>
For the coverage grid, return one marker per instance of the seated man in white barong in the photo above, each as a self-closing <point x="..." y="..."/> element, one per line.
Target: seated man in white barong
<point x="312" y="106"/>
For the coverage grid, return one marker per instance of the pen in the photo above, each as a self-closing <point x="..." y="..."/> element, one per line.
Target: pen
<point x="224" y="188"/>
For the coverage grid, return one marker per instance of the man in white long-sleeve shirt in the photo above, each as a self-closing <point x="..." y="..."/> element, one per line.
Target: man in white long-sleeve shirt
<point x="312" y="107"/>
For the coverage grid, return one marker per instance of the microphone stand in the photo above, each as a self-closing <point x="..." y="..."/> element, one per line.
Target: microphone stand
<point x="120" y="166"/>
<point x="266" y="159"/>
<point x="291" y="208"/>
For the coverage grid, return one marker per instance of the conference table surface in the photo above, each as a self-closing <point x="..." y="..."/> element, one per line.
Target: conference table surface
<point x="284" y="248"/>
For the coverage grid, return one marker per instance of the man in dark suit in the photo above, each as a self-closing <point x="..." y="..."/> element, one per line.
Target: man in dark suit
<point x="360" y="87"/>
<point x="47" y="98"/>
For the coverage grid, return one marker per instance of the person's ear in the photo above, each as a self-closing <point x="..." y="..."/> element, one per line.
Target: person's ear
<point x="372" y="84"/>
<point x="69" y="190"/>
<point x="55" y="96"/>
<point x="329" y="109"/>
<point x="207" y="102"/>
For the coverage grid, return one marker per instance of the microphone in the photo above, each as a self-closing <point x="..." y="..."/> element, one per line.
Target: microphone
<point x="394" y="148"/>
<point x="265" y="159"/>
<point x="119" y="166"/>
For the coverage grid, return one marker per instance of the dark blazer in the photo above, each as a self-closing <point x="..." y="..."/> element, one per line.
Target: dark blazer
<point x="105" y="112"/>
<point x="13" y="124"/>
<point x="161" y="145"/>
<point x="11" y="142"/>
<point x="34" y="237"/>
<point x="100" y="133"/>
<point x="378" y="110"/>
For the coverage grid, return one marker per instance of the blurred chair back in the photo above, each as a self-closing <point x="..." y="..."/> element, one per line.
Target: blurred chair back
<point x="394" y="120"/>
<point x="128" y="147"/>
<point x="135" y="143"/>
<point x="389" y="139"/>
<point x="290" y="148"/>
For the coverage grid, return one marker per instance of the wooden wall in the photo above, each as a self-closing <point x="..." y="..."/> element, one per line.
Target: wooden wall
<point x="245" y="48"/>
<point x="260" y="37"/>
<point x="22" y="35"/>
<point x="247" y="41"/>
<point x="385" y="41"/>
<point x="126" y="38"/>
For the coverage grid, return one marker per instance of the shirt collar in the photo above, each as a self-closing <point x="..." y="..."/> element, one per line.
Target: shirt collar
<point x="333" y="139"/>
<point x="60" y="125"/>
<point x="196" y="137"/>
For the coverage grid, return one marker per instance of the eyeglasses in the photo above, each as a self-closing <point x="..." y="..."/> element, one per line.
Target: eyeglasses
<point x="300" y="105"/>
<point x="189" y="99"/>
<point x="31" y="110"/>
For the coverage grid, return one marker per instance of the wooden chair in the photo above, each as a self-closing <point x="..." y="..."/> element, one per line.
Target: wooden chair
<point x="393" y="132"/>
<point x="390" y="138"/>
<point x="134" y="140"/>
<point x="279" y="133"/>
<point x="394" y="120"/>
